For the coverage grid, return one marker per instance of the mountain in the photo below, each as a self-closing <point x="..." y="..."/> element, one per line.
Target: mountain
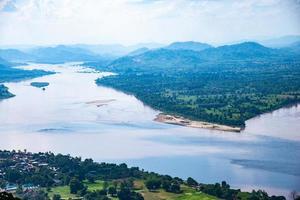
<point x="190" y="45"/>
<point x="175" y="59"/>
<point x="295" y="47"/>
<point x="115" y="50"/>
<point x="62" y="53"/>
<point x="8" y="73"/>
<point x="242" y="51"/>
<point x="138" y="51"/>
<point x="226" y="85"/>
<point x="14" y="55"/>
<point x="281" y="42"/>
<point x="156" y="59"/>
<point x="4" y="62"/>
<point x="109" y="50"/>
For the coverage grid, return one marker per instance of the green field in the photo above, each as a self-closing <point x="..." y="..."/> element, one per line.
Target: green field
<point x="64" y="191"/>
<point x="187" y="193"/>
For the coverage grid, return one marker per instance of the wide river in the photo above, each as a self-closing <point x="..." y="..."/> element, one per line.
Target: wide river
<point x="75" y="116"/>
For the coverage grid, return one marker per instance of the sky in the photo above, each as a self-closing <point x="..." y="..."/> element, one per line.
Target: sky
<point x="44" y="22"/>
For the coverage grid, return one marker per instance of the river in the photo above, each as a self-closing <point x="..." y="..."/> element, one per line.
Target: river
<point x="75" y="116"/>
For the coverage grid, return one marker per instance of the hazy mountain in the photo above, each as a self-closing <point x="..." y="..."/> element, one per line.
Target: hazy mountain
<point x="156" y="59"/>
<point x="115" y="50"/>
<point x="190" y="45"/>
<point x="242" y="51"/>
<point x="4" y="62"/>
<point x="147" y="45"/>
<point x="62" y="53"/>
<point x="138" y="51"/>
<point x="172" y="59"/>
<point x="295" y="47"/>
<point x="281" y="42"/>
<point x="14" y="55"/>
<point x="8" y="73"/>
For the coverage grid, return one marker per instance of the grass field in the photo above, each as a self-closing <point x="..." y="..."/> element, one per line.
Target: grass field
<point x="187" y="194"/>
<point x="64" y="191"/>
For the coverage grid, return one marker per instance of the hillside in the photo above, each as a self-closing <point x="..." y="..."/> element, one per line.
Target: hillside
<point x="68" y="177"/>
<point x="190" y="45"/>
<point x="14" y="55"/>
<point x="62" y="53"/>
<point x="225" y="85"/>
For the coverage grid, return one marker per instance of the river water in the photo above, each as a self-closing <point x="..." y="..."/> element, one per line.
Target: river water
<point x="65" y="118"/>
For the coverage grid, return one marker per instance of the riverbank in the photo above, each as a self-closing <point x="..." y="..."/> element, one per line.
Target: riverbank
<point x="170" y="119"/>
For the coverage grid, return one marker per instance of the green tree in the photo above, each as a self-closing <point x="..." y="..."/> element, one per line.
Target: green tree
<point x="191" y="182"/>
<point x="75" y="186"/>
<point x="56" y="197"/>
<point x="153" y="183"/>
<point x="112" y="191"/>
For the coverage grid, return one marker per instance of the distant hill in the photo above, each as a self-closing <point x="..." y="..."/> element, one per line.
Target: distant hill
<point x="8" y="73"/>
<point x="109" y="50"/>
<point x="190" y="45"/>
<point x="14" y="55"/>
<point x="62" y="53"/>
<point x="115" y="50"/>
<point x="242" y="51"/>
<point x="4" y="62"/>
<point x="138" y="51"/>
<point x="156" y="59"/>
<point x="172" y="59"/>
<point x="281" y="42"/>
<point x="295" y="47"/>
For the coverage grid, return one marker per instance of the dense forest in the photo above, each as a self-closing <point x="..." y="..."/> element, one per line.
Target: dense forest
<point x="225" y="85"/>
<point x="37" y="174"/>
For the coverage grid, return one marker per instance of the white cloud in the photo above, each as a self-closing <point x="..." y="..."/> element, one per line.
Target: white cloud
<point x="133" y="21"/>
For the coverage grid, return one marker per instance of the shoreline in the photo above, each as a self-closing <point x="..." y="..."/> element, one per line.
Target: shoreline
<point x="181" y="121"/>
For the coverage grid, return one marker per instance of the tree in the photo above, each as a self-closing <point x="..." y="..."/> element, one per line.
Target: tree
<point x="105" y="185"/>
<point x="294" y="195"/>
<point x="36" y="195"/>
<point x="7" y="196"/>
<point x="191" y="182"/>
<point x="127" y="194"/>
<point x="175" y="187"/>
<point x="112" y="191"/>
<point x="75" y="186"/>
<point x="19" y="189"/>
<point x="90" y="178"/>
<point x="13" y="176"/>
<point x="153" y="183"/>
<point x="56" y="197"/>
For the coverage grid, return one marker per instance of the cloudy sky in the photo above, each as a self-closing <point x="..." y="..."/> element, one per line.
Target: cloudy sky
<point x="135" y="21"/>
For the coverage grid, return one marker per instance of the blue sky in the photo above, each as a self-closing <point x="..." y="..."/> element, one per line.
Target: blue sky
<point x="135" y="21"/>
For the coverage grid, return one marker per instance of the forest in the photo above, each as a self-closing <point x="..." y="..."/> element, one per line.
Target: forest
<point x="225" y="85"/>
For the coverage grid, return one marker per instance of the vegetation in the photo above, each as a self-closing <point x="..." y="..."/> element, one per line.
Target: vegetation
<point x="45" y="175"/>
<point x="4" y="93"/>
<point x="7" y="73"/>
<point x="225" y="85"/>
<point x="39" y="84"/>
